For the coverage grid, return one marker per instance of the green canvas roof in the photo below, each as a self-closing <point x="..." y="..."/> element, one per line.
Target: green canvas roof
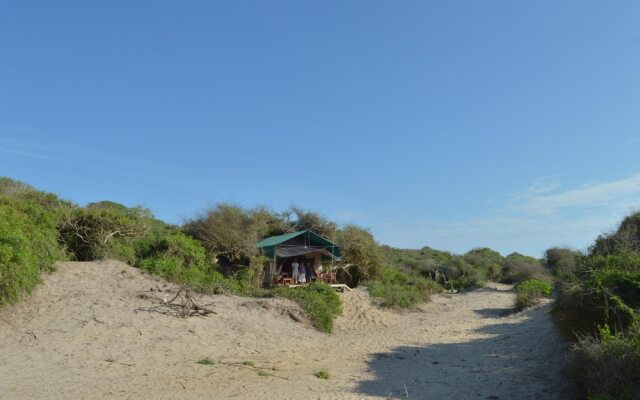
<point x="311" y="240"/>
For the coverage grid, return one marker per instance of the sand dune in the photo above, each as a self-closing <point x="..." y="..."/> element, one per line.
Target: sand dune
<point x="79" y="336"/>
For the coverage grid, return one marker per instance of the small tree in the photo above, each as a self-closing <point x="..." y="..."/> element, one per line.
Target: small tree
<point x="313" y="222"/>
<point x="228" y="231"/>
<point x="360" y="253"/>
<point x="104" y="230"/>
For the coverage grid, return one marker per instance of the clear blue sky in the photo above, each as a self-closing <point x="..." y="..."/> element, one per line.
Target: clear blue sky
<point x="453" y="124"/>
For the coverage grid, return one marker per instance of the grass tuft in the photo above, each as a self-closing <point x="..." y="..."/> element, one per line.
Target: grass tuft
<point x="319" y="301"/>
<point x="322" y="374"/>
<point x="206" y="361"/>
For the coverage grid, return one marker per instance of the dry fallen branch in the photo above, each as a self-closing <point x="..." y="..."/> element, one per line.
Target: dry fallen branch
<point x="111" y="360"/>
<point x="253" y="367"/>
<point x="183" y="305"/>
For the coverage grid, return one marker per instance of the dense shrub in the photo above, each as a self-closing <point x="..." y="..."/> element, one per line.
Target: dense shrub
<point x="308" y="220"/>
<point x="319" y="301"/>
<point x="228" y="231"/>
<point x="490" y="262"/>
<point x="178" y="258"/>
<point x="28" y="246"/>
<point x="598" y="303"/>
<point x="519" y="268"/>
<point x="104" y="230"/>
<point x="529" y="293"/>
<point x="625" y="238"/>
<point x="462" y="275"/>
<point x="398" y="289"/>
<point x="601" y="290"/>
<point x="561" y="260"/>
<point x="360" y="254"/>
<point x="607" y="366"/>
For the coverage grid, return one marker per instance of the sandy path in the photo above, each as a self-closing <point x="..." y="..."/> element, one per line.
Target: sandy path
<point x="79" y="337"/>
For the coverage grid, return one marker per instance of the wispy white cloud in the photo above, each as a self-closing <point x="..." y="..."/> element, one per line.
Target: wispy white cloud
<point x="66" y="152"/>
<point x="617" y="194"/>
<point x="541" y="216"/>
<point x="30" y="155"/>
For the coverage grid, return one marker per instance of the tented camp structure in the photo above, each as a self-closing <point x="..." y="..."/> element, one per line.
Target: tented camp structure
<point x="281" y="250"/>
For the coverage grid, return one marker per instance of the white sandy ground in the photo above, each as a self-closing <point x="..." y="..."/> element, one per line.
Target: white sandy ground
<point x="79" y="337"/>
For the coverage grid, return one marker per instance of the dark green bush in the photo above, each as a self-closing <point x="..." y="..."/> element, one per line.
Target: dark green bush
<point x="601" y="290"/>
<point x="462" y="275"/>
<point x="607" y="366"/>
<point x="519" y="268"/>
<point x="490" y="262"/>
<point x="599" y="303"/>
<point x="529" y="293"/>
<point x="626" y="238"/>
<point x="398" y="289"/>
<point x="561" y="260"/>
<point x="319" y="301"/>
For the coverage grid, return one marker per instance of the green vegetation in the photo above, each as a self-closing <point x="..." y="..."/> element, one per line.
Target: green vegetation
<point x="319" y="301"/>
<point x="561" y="260"/>
<point x="28" y="237"/>
<point x="206" y="361"/>
<point x="399" y="289"/>
<point x="529" y="293"/>
<point x="361" y="253"/>
<point x="248" y="363"/>
<point x="607" y="366"/>
<point x="215" y="251"/>
<point x="469" y="270"/>
<point x="322" y="374"/>
<point x="519" y="268"/>
<point x="598" y="304"/>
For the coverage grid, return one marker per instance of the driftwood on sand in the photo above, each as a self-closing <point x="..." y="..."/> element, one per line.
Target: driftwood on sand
<point x="182" y="305"/>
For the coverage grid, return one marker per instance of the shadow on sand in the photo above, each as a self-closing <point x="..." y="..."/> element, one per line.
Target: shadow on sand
<point x="495" y="312"/>
<point x="516" y="360"/>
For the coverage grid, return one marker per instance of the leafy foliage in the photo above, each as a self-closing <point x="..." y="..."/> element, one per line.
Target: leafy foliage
<point x="104" y="230"/>
<point x="519" y="268"/>
<point x="319" y="301"/>
<point x="206" y="361"/>
<point x="398" y="289"/>
<point x="626" y="238"/>
<point x="229" y="231"/>
<point x="599" y="300"/>
<point x="28" y="245"/>
<point x="529" y="293"/>
<point x="312" y="221"/>
<point x="360" y="253"/>
<point x="561" y="260"/>
<point x="490" y="262"/>
<point x="322" y="374"/>
<point x="607" y="366"/>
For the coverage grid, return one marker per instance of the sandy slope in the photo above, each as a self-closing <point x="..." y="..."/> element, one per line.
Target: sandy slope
<point x="79" y="337"/>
